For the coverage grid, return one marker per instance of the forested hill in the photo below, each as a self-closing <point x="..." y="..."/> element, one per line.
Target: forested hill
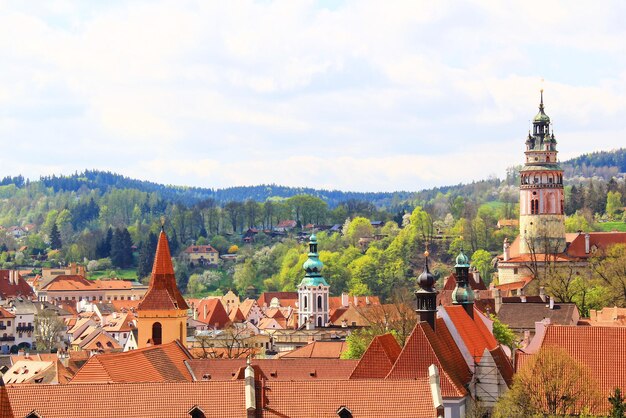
<point x="605" y="164"/>
<point x="105" y="181"/>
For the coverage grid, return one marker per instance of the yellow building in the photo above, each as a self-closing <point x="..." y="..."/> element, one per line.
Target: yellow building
<point x="162" y="314"/>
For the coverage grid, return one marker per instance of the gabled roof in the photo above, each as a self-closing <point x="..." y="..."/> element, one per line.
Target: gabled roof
<point x="285" y="298"/>
<point x="100" y="340"/>
<point x="163" y="294"/>
<point x="68" y="282"/>
<point x="363" y="398"/>
<point x="425" y="347"/>
<point x="318" y="349"/>
<point x="235" y="315"/>
<point x="9" y="290"/>
<point x="212" y="312"/>
<point x="269" y="323"/>
<point x="523" y="315"/>
<point x="378" y="359"/>
<point x="272" y="369"/>
<point x="200" y="249"/>
<point x="128" y="400"/>
<point x="599" y="240"/>
<point x="246" y="307"/>
<point x="24" y="371"/>
<point x="161" y="363"/>
<point x="473" y="331"/>
<point x="4" y="314"/>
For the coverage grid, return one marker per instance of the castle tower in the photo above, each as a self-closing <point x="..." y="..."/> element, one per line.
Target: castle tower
<point x="542" y="221"/>
<point x="426" y="295"/>
<point x="463" y="294"/>
<point x="162" y="313"/>
<point x="313" y="291"/>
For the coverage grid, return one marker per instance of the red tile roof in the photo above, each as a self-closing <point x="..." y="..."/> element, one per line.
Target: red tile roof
<point x="601" y="349"/>
<point x="161" y="363"/>
<point x="378" y="359"/>
<point x="285" y="298"/>
<point x="128" y="400"/>
<point x="4" y="314"/>
<point x="335" y="302"/>
<point x="364" y="398"/>
<point x="236" y="315"/>
<point x="425" y="347"/>
<point x="472" y="331"/>
<point x="273" y="369"/>
<point x="212" y="312"/>
<point x="200" y="249"/>
<point x="163" y="294"/>
<point x="601" y="240"/>
<point x="69" y="282"/>
<point x="318" y="349"/>
<point x="10" y="290"/>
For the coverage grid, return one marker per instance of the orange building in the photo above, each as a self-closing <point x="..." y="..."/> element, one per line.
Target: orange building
<point x="162" y="314"/>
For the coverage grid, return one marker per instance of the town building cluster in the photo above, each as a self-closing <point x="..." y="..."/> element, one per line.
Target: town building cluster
<point x="73" y="347"/>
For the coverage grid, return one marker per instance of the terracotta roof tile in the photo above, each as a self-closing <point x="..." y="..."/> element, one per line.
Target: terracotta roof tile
<point x="473" y="332"/>
<point x="319" y="349"/>
<point x="273" y="369"/>
<point x="163" y="294"/>
<point x="212" y="312"/>
<point x="378" y="359"/>
<point x="128" y="400"/>
<point x="11" y="289"/>
<point x="523" y="315"/>
<point x="424" y="348"/>
<point x="364" y="398"/>
<point x="285" y="298"/>
<point x="602" y="349"/>
<point x="600" y="240"/>
<point x="159" y="363"/>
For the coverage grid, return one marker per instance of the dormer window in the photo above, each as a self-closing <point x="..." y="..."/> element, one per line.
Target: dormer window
<point x="344" y="412"/>
<point x="196" y="412"/>
<point x="33" y="414"/>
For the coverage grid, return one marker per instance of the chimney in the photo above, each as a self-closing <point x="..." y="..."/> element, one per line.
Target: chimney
<point x="250" y="390"/>
<point x="356" y="300"/>
<point x="523" y="299"/>
<point x="344" y="323"/>
<point x="497" y="299"/>
<point x="435" y="389"/>
<point x="551" y="303"/>
<point x="344" y="300"/>
<point x="367" y="300"/>
<point x="205" y="312"/>
<point x="506" y="250"/>
<point x="615" y="314"/>
<point x="476" y="275"/>
<point x="587" y="242"/>
<point x="542" y="293"/>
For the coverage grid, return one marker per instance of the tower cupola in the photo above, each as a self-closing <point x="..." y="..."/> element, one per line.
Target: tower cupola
<point x="426" y="295"/>
<point x="463" y="294"/>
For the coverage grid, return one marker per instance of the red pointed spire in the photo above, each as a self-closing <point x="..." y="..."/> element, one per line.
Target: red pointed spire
<point x="163" y="294"/>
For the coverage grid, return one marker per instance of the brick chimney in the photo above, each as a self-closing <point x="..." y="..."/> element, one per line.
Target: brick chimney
<point x="587" y="243"/>
<point x="506" y="250"/>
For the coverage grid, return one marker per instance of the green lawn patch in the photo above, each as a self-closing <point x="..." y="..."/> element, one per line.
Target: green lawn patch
<point x="612" y="226"/>
<point x="125" y="274"/>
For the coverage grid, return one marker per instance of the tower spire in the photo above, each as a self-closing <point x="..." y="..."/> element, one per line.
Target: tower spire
<point x="426" y="295"/>
<point x="463" y="294"/>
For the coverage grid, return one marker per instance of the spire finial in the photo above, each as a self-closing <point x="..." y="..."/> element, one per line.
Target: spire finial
<point x="162" y="223"/>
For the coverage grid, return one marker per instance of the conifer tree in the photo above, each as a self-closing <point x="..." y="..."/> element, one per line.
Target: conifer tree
<point x="55" y="237"/>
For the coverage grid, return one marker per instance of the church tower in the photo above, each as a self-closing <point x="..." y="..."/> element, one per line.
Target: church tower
<point x="313" y="291"/>
<point x="426" y="295"/>
<point x="463" y="294"/>
<point x="162" y="313"/>
<point x="542" y="221"/>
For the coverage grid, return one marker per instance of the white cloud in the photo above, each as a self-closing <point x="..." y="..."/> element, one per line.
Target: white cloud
<point x="366" y="96"/>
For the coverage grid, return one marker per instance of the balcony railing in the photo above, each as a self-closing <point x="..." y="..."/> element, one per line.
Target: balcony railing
<point x="25" y="328"/>
<point x="3" y="327"/>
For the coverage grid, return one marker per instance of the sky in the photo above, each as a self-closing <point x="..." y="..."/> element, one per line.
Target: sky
<point x="351" y="95"/>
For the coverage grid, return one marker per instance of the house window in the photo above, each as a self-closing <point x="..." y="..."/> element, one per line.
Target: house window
<point x="319" y="302"/>
<point x="515" y="270"/>
<point x="33" y="414"/>
<point x="306" y="305"/>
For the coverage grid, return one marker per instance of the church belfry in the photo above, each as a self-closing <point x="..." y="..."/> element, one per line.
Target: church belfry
<point x="313" y="291"/>
<point x="542" y="221"/>
<point x="426" y="295"/>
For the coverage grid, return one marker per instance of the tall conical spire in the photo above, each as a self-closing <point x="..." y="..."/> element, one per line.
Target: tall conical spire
<point x="163" y="293"/>
<point x="426" y="295"/>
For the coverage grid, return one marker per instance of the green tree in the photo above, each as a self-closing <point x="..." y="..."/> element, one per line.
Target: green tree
<point x="614" y="206"/>
<point x="359" y="228"/>
<point x="482" y="260"/>
<point x="48" y="330"/>
<point x="55" y="237"/>
<point x="618" y="405"/>
<point x="503" y="334"/>
<point x="577" y="222"/>
<point x="121" y="248"/>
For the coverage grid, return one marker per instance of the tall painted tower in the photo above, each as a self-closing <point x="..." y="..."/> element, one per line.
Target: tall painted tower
<point x="313" y="291"/>
<point x="542" y="220"/>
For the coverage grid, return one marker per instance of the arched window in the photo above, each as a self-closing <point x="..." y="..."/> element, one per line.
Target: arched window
<point x="157" y="333"/>
<point x="534" y="206"/>
<point x="319" y="321"/>
<point x="319" y="302"/>
<point x="306" y="303"/>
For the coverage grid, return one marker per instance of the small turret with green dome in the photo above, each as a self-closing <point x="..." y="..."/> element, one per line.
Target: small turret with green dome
<point x="463" y="294"/>
<point x="313" y="266"/>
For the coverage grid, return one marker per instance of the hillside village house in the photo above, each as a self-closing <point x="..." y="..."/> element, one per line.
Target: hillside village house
<point x="204" y="255"/>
